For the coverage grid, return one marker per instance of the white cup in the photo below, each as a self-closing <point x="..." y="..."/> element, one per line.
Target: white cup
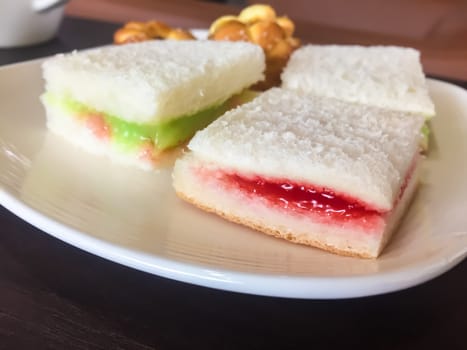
<point x="28" y="22"/>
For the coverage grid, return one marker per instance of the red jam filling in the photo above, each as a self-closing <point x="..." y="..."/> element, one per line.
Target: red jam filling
<point x="97" y="125"/>
<point x="301" y="198"/>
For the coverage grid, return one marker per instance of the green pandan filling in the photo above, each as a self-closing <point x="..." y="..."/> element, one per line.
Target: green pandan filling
<point x="425" y="136"/>
<point x="164" y="135"/>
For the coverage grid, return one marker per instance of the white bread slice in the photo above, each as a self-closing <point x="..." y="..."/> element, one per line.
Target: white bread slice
<point x="358" y="150"/>
<point x="155" y="80"/>
<point x="282" y="136"/>
<point x="383" y="76"/>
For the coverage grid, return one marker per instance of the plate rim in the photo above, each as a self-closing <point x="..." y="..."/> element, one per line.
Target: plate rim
<point x="301" y="287"/>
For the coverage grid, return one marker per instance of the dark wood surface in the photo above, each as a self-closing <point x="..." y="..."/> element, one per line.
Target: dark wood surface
<point x="54" y="296"/>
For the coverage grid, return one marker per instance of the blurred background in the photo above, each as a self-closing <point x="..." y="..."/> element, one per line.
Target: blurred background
<point x="443" y="22"/>
<point x="438" y="28"/>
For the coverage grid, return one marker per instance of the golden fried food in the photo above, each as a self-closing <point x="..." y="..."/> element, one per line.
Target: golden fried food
<point x="266" y="34"/>
<point x="156" y="29"/>
<point x="179" y="34"/>
<point x="259" y="24"/>
<point x="258" y="12"/>
<point x="218" y="23"/>
<point x="142" y="31"/>
<point x="287" y="25"/>
<point x="129" y="35"/>
<point x="232" y="30"/>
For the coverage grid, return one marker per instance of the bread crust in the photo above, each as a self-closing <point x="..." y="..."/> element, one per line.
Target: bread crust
<point x="271" y="232"/>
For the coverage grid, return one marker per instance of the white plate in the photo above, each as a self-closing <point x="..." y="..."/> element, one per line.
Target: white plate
<point x="134" y="218"/>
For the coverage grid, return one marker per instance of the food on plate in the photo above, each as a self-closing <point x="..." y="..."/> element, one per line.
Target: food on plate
<point x="142" y="31"/>
<point x="312" y="170"/>
<point x="383" y="76"/>
<point x="134" y="102"/>
<point x="259" y="24"/>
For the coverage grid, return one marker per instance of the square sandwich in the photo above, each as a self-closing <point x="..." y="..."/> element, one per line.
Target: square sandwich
<point x="312" y="170"/>
<point x="135" y="102"/>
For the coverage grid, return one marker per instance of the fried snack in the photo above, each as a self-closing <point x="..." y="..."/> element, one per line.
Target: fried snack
<point x="260" y="25"/>
<point x="152" y="30"/>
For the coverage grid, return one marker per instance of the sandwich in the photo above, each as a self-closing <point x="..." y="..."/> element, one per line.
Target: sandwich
<point x="136" y="102"/>
<point x="383" y="76"/>
<point x="309" y="169"/>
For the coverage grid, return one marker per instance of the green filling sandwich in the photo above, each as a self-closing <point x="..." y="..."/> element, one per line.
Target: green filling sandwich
<point x="129" y="135"/>
<point x="135" y="102"/>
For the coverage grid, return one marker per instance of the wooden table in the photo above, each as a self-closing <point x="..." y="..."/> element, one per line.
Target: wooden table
<point x="54" y="296"/>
